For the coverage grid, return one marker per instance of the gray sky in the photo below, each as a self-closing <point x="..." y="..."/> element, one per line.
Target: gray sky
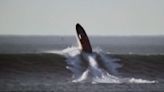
<point x="98" y="17"/>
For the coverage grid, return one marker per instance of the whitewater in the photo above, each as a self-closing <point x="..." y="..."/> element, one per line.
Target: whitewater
<point x="96" y="67"/>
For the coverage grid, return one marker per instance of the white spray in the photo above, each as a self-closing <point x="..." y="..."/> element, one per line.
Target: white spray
<point x="85" y="67"/>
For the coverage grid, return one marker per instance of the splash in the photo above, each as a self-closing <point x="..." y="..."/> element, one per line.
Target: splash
<point x="97" y="67"/>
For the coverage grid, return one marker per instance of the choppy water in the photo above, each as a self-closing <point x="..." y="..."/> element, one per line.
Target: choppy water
<point x="52" y="72"/>
<point x="95" y="67"/>
<point x="56" y="63"/>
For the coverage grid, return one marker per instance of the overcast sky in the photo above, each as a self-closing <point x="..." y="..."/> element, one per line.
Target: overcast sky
<point x="98" y="17"/>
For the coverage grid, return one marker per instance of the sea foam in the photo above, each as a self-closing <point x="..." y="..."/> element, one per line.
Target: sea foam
<point x="92" y="71"/>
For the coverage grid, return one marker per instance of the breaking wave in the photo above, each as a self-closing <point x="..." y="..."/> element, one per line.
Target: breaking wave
<point x="97" y="67"/>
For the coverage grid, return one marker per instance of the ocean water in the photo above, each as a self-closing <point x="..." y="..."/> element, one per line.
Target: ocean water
<point x="55" y="63"/>
<point x="116" y="45"/>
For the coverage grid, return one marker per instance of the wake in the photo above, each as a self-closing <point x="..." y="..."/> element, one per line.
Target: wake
<point x="95" y="68"/>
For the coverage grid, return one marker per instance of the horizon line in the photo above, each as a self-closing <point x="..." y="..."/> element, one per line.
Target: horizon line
<point x="75" y="35"/>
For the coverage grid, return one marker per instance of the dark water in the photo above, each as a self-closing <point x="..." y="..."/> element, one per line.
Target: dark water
<point x="47" y="72"/>
<point x="117" y="45"/>
<point x="24" y="66"/>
